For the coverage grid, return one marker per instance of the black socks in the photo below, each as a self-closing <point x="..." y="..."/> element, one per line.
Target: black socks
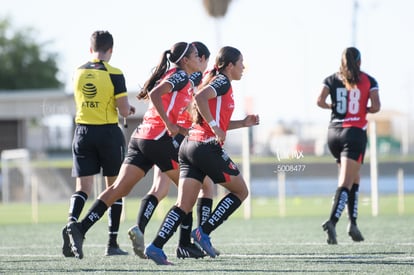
<point x="148" y="205"/>
<point x="223" y="210"/>
<point x="170" y="224"/>
<point x="339" y="204"/>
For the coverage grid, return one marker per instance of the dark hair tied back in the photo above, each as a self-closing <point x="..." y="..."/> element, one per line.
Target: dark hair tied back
<point x="350" y="66"/>
<point x="174" y="55"/>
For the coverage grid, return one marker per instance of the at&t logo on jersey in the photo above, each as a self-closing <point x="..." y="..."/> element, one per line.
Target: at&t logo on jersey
<point x="89" y="90"/>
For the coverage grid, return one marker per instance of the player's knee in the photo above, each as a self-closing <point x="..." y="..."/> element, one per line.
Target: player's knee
<point x="241" y="191"/>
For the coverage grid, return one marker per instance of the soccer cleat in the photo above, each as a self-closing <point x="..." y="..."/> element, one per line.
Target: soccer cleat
<point x="66" y="250"/>
<point x="354" y="233"/>
<point x="189" y="251"/>
<point x="329" y="227"/>
<point x="157" y="255"/>
<point x="203" y="240"/>
<point x="114" y="250"/>
<point x="76" y="239"/>
<point x="216" y="251"/>
<point x="137" y="239"/>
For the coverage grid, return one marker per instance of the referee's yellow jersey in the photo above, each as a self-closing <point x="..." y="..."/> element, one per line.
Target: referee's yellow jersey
<point x="97" y="85"/>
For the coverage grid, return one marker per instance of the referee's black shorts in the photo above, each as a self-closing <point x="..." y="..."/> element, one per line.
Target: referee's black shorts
<point x="347" y="142"/>
<point x="95" y="147"/>
<point x="199" y="159"/>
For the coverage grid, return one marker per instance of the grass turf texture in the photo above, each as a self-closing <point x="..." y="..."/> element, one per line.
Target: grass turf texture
<point x="265" y="244"/>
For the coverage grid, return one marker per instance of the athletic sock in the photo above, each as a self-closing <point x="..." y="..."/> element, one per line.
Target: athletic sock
<point x="170" y="224"/>
<point x="223" y="210"/>
<point x="185" y="230"/>
<point x="114" y="218"/>
<point x="95" y="213"/>
<point x="148" y="205"/>
<point x="77" y="202"/>
<point x="339" y="203"/>
<point x="204" y="206"/>
<point x="353" y="203"/>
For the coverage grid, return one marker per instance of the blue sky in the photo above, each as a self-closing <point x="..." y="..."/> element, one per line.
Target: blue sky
<point x="289" y="47"/>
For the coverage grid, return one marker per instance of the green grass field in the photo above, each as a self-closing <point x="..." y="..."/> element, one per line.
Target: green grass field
<point x="264" y="244"/>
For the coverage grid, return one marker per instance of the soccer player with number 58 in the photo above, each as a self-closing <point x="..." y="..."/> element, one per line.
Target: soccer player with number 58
<point x="353" y="93"/>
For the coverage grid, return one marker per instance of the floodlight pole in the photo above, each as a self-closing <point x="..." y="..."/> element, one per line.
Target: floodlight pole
<point x="374" y="167"/>
<point x="246" y="172"/>
<point x="355" y="9"/>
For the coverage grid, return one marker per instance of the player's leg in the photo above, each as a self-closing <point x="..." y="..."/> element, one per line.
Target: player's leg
<point x="126" y="180"/>
<point x="205" y="200"/>
<point x="114" y="220"/>
<point x="187" y="194"/>
<point x="226" y="206"/>
<point x="158" y="191"/>
<point x="111" y="152"/>
<point x="205" y="203"/>
<point x="77" y="202"/>
<point x="348" y="169"/>
<point x="85" y="165"/>
<point x="357" y="140"/>
<point x="353" y="230"/>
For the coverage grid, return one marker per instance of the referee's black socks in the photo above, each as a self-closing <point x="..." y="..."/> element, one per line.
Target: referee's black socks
<point x="77" y="202"/>
<point x="114" y="218"/>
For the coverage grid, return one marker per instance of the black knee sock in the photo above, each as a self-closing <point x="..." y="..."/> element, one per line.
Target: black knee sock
<point x="339" y="203"/>
<point x="148" y="205"/>
<point x="353" y="204"/>
<point x="77" y="202"/>
<point x="114" y="219"/>
<point x="170" y="224"/>
<point x="95" y="213"/>
<point x="185" y="230"/>
<point x="223" y="210"/>
<point x="204" y="206"/>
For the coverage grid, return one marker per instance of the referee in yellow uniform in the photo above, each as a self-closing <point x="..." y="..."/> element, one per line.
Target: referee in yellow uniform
<point x="100" y="94"/>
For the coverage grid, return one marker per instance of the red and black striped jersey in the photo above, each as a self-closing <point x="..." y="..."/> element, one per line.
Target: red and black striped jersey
<point x="349" y="107"/>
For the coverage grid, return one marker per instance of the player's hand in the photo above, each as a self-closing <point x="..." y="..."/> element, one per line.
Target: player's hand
<point x="183" y="131"/>
<point x="251" y="120"/>
<point x="131" y="110"/>
<point x="220" y="134"/>
<point x="173" y="129"/>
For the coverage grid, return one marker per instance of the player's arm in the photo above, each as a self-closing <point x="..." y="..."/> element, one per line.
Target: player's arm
<point x="124" y="108"/>
<point x="321" y="101"/>
<point x="248" y="121"/>
<point x="375" y="102"/>
<point x="155" y="97"/>
<point x="201" y="99"/>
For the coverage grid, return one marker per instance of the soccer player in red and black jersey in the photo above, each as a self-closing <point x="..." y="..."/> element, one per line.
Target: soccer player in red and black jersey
<point x="152" y="143"/>
<point x="353" y="93"/>
<point x="161" y="185"/>
<point x="201" y="154"/>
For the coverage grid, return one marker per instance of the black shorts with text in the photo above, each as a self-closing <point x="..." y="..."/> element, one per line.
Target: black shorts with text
<point x="95" y="147"/>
